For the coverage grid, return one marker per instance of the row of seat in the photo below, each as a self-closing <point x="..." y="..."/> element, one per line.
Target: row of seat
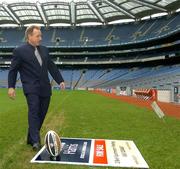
<point x="147" y="77"/>
<point x="99" y="35"/>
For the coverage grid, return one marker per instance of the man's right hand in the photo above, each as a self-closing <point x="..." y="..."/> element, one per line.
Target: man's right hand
<point x="11" y="93"/>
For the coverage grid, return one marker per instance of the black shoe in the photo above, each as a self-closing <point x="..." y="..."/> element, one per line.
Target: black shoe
<point x="29" y="140"/>
<point x="36" y="146"/>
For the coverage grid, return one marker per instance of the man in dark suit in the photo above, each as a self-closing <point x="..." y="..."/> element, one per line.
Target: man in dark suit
<point x="33" y="63"/>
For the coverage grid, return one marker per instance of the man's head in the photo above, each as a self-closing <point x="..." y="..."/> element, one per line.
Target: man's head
<point x="33" y="35"/>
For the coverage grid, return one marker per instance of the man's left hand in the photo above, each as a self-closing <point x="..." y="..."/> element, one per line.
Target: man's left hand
<point x="62" y="85"/>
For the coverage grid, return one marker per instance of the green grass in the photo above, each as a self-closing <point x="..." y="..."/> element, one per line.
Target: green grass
<point x="87" y="115"/>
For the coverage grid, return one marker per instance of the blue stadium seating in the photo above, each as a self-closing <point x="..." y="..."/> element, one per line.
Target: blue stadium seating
<point x="137" y="77"/>
<point x="98" y="35"/>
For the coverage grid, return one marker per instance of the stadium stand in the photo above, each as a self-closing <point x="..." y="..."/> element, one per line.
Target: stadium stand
<point x="99" y="35"/>
<point x="143" y="54"/>
<point x="154" y="77"/>
<point x="161" y="77"/>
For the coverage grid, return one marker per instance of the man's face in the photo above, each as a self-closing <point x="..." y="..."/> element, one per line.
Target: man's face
<point x="35" y="38"/>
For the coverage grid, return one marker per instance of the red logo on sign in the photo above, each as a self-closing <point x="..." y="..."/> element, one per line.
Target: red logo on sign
<point x="100" y="152"/>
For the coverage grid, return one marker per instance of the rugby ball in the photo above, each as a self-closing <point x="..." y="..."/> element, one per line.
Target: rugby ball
<point x="52" y="143"/>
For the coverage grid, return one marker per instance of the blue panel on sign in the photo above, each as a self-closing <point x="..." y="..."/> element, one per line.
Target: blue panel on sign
<point x="73" y="150"/>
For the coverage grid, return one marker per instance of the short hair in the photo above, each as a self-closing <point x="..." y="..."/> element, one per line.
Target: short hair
<point x="30" y="29"/>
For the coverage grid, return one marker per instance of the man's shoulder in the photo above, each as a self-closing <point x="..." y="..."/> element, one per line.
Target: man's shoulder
<point x="23" y="50"/>
<point x="24" y="46"/>
<point x="28" y="47"/>
<point x="43" y="47"/>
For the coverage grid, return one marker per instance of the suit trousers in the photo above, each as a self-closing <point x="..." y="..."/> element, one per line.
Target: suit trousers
<point x="37" y="109"/>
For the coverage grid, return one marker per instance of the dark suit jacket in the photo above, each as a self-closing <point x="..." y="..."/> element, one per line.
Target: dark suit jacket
<point x="34" y="77"/>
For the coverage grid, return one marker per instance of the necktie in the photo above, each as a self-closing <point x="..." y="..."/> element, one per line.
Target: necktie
<point x="36" y="52"/>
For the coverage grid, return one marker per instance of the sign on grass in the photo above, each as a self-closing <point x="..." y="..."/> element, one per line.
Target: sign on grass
<point x="95" y="152"/>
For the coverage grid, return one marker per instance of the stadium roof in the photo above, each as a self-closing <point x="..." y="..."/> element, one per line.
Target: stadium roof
<point x="75" y="12"/>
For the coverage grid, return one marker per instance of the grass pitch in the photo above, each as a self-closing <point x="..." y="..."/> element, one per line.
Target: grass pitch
<point x="87" y="115"/>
